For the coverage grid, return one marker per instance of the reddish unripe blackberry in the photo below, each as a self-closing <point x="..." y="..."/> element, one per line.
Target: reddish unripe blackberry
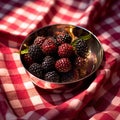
<point x="63" y="37"/>
<point x="27" y="59"/>
<point x="65" y="50"/>
<point x="52" y="76"/>
<point x="39" y="40"/>
<point x="63" y="65"/>
<point x="35" y="53"/>
<point x="49" y="47"/>
<point x="48" y="63"/>
<point x="36" y="70"/>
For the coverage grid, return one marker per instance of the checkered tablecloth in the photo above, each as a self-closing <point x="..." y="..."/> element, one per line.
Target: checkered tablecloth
<point x="20" y="99"/>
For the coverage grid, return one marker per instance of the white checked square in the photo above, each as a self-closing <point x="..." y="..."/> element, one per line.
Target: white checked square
<point x="82" y="5"/>
<point x="10" y="116"/>
<point x="116" y="101"/>
<point x="106" y="47"/>
<point x="68" y="95"/>
<point x="7" y="6"/>
<point x="109" y="20"/>
<point x="16" y="56"/>
<point x="92" y="87"/>
<point x="28" y="85"/>
<point x="16" y="104"/>
<point x="32" y="26"/>
<point x="11" y="19"/>
<point x="24" y="25"/>
<point x="117" y="29"/>
<point x="16" y="32"/>
<point x="31" y="16"/>
<point x="19" y="11"/>
<point x="55" y="97"/>
<point x="63" y="10"/>
<point x="36" y="100"/>
<point x="84" y="20"/>
<point x="3" y="26"/>
<point x="24" y="33"/>
<point x="57" y="19"/>
<point x="1" y="15"/>
<point x="90" y="111"/>
<point x="116" y="43"/>
<point x="21" y="70"/>
<point x="4" y="72"/>
<point x="106" y="35"/>
<point x="9" y="87"/>
<point x="75" y="104"/>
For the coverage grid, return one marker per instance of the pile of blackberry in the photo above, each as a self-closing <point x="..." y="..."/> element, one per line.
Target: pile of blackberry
<point x="55" y="59"/>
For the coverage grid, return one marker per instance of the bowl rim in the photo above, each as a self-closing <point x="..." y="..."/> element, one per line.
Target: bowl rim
<point x="67" y="82"/>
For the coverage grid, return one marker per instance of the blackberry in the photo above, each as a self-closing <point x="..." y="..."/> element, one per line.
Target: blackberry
<point x="63" y="65"/>
<point x="81" y="48"/>
<point x="39" y="40"/>
<point x="52" y="76"/>
<point x="65" y="50"/>
<point x="63" y="38"/>
<point x="35" y="53"/>
<point x="48" y="63"/>
<point x="49" y="47"/>
<point x="36" y="70"/>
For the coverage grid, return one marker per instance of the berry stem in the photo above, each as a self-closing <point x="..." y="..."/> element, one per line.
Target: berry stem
<point x="85" y="37"/>
<point x="24" y="51"/>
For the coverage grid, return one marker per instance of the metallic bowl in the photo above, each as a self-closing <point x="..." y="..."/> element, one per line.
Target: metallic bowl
<point x="93" y="59"/>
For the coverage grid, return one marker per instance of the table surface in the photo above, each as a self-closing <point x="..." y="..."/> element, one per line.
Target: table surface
<point x="20" y="99"/>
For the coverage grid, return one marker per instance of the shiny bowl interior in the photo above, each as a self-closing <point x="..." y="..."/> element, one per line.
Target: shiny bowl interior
<point x="94" y="57"/>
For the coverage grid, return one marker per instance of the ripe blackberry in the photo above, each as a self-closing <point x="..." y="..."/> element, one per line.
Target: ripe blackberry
<point x="49" y="47"/>
<point x="65" y="50"/>
<point x="52" y="76"/>
<point x="48" y="63"/>
<point x="35" y="53"/>
<point x="63" y="65"/>
<point x="36" y="70"/>
<point x="39" y="40"/>
<point x="27" y="59"/>
<point x="81" y="48"/>
<point x="63" y="37"/>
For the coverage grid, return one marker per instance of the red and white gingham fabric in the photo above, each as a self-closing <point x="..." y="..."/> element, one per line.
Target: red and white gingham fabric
<point x="20" y="99"/>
